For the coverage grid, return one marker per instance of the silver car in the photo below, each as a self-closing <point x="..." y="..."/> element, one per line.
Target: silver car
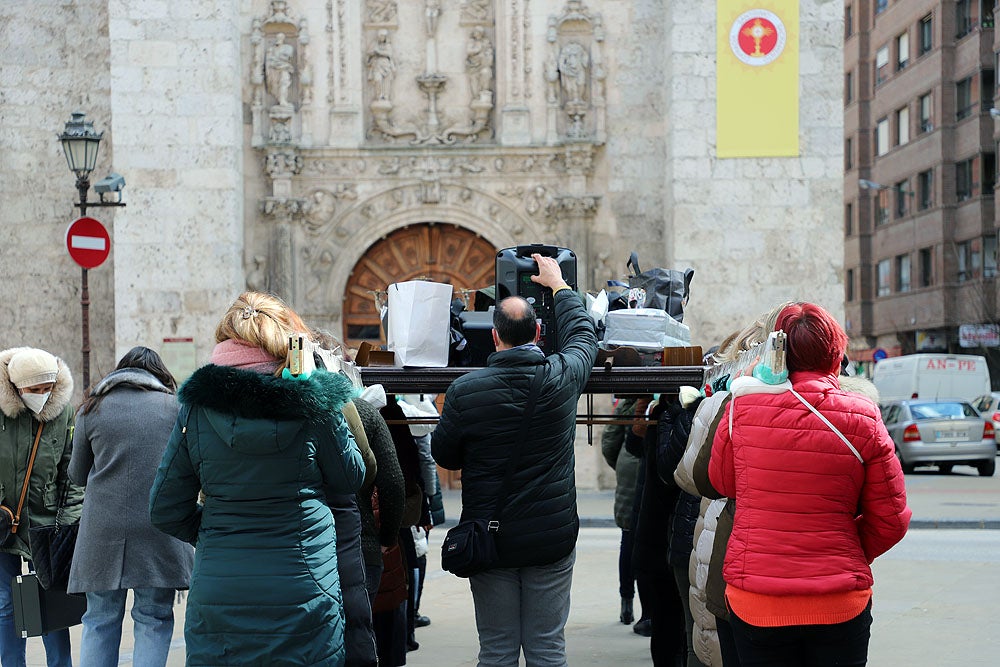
<point x="989" y="407"/>
<point x="943" y="432"/>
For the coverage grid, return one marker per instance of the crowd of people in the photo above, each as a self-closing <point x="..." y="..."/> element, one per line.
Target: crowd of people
<point x="294" y="507"/>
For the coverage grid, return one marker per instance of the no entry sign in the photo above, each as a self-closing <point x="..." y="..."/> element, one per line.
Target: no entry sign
<point x="88" y="242"/>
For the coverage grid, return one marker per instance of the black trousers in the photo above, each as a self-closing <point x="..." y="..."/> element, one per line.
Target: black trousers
<point x="626" y="580"/>
<point x="842" y="644"/>
<point x="663" y="607"/>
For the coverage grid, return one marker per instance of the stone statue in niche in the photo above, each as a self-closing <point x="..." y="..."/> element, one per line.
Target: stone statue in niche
<point x="257" y="278"/>
<point x="381" y="67"/>
<point x="432" y="11"/>
<point x="574" y="64"/>
<point x="381" y="11"/>
<point x="278" y="69"/>
<point x="479" y="65"/>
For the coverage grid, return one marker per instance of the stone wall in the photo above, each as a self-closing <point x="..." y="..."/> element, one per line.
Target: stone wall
<point x="756" y="231"/>
<point x="53" y="61"/>
<point x="177" y="119"/>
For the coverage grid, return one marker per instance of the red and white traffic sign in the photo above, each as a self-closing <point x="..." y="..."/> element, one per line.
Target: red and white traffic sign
<point x="88" y="242"/>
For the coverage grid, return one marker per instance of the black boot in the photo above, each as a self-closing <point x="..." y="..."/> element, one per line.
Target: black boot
<point x="626" y="616"/>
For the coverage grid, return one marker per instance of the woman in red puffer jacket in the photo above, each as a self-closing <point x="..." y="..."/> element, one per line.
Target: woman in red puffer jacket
<point x="819" y="495"/>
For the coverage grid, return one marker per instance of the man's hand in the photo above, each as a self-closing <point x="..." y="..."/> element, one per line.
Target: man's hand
<point x="549" y="273"/>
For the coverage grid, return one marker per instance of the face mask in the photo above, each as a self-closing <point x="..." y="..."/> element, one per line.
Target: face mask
<point x="35" y="402"/>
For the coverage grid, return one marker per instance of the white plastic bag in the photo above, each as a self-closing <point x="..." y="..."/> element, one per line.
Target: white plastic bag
<point x="645" y="328"/>
<point x="419" y="330"/>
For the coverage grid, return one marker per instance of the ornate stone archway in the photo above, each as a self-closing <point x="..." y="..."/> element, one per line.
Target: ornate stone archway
<point x="439" y="252"/>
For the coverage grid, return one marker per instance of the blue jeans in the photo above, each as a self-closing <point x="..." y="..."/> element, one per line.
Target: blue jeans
<point x="523" y="608"/>
<point x="12" y="647"/>
<point x="153" y="615"/>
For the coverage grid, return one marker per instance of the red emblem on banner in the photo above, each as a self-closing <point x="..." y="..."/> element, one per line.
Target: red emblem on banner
<point x="757" y="37"/>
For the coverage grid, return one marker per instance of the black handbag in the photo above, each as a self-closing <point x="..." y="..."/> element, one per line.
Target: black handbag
<point x="38" y="611"/>
<point x="52" y="550"/>
<point x="470" y="547"/>
<point x="666" y="289"/>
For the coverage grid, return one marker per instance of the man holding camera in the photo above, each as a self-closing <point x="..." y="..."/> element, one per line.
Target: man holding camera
<point x="523" y="602"/>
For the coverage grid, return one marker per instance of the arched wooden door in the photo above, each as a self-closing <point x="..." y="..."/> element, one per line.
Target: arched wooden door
<point x="429" y="251"/>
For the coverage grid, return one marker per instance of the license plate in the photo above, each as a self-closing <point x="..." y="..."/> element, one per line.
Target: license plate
<point x="948" y="436"/>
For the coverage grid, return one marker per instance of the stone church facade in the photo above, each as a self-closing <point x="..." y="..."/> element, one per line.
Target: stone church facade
<point x="323" y="149"/>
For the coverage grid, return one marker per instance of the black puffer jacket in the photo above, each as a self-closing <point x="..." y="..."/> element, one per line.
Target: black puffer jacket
<point x="685" y="515"/>
<point x="479" y="425"/>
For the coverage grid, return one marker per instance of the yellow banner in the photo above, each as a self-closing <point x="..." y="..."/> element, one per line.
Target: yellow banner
<point x="757" y="78"/>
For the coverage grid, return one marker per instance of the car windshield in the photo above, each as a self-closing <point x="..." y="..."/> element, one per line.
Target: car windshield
<point x="942" y="410"/>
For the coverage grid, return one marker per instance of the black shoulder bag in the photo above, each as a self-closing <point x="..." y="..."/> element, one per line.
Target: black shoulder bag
<point x="469" y="548"/>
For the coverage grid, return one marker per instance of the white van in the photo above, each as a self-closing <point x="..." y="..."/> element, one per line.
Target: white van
<point x="931" y="376"/>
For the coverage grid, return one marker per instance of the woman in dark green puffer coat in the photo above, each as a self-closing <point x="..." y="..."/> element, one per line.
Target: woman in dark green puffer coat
<point x="265" y="588"/>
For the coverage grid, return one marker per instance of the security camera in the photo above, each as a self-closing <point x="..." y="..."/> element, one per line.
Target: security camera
<point x="110" y="183"/>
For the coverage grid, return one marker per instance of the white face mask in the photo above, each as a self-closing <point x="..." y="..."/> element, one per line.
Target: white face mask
<point x="35" y="402"/>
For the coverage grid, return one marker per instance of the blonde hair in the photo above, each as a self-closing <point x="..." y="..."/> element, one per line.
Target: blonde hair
<point x="753" y="334"/>
<point x="261" y="320"/>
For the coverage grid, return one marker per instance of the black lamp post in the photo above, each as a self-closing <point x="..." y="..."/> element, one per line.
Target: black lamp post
<point x="80" y="143"/>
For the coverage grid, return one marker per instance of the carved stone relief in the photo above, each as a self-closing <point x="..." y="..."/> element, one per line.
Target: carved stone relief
<point x="380" y="11"/>
<point x="387" y="76"/>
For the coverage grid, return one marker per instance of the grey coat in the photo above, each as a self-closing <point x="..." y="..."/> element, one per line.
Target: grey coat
<point x="117" y="448"/>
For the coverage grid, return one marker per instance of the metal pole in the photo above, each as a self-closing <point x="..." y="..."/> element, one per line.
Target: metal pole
<point x="82" y="186"/>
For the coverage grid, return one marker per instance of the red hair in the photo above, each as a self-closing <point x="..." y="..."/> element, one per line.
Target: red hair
<point x="816" y="341"/>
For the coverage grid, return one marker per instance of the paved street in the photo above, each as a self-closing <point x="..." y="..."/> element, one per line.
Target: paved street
<point x="935" y="593"/>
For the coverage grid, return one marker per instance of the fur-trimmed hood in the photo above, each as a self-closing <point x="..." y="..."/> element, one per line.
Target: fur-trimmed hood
<point x="254" y="395"/>
<point x="132" y="377"/>
<point x="10" y="400"/>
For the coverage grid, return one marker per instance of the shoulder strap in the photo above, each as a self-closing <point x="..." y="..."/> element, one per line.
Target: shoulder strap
<point x="529" y="411"/>
<point x="827" y="422"/>
<point x="27" y="478"/>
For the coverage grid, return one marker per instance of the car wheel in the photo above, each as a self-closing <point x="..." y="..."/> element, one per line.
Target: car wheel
<point x="945" y="468"/>
<point x="907" y="467"/>
<point x="987" y="468"/>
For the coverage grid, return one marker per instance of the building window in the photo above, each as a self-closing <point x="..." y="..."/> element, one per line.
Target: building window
<point x="902" y="198"/>
<point x="848" y="219"/>
<point x="882" y="206"/>
<point x="963" y="18"/>
<point x="963" y="98"/>
<point x="848" y="154"/>
<point x="970" y="257"/>
<point x="848" y="22"/>
<point x="963" y="180"/>
<point x="989" y="172"/>
<point x="902" y="273"/>
<point x="987" y="88"/>
<point x="848" y="88"/>
<point x="990" y="256"/>
<point x="925" y="189"/>
<point x="902" y="50"/>
<point x="926" y="122"/>
<point x="902" y="126"/>
<point x="926" y="34"/>
<point x="849" y="285"/>
<point x="926" y="267"/>
<point x="989" y="8"/>
<point x="881" y="64"/>
<point x="880" y="6"/>
<point x="883" y="278"/>
<point x="882" y="137"/>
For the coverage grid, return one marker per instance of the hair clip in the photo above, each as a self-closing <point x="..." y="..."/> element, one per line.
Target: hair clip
<point x="248" y="312"/>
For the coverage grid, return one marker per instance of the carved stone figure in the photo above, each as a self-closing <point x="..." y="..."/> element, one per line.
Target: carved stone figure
<point x="432" y="11"/>
<point x="479" y="65"/>
<point x="278" y="69"/>
<point x="381" y="67"/>
<point x="574" y="63"/>
<point x="319" y="211"/>
<point x="257" y="277"/>
<point x="381" y="11"/>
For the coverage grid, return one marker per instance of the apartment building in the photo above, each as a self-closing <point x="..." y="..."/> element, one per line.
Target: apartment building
<point x="920" y="151"/>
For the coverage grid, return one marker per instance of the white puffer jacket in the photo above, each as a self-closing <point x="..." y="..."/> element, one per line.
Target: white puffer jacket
<point x="704" y="636"/>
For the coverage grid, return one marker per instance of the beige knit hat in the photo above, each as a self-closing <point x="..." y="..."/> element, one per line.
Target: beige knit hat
<point x="30" y="367"/>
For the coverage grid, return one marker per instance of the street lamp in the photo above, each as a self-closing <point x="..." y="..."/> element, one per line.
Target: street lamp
<point x="80" y="144"/>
